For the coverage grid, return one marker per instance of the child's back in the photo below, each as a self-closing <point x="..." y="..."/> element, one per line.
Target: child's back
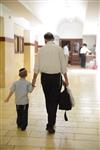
<point x="21" y="88"/>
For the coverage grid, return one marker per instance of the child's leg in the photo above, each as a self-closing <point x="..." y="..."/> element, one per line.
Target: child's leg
<point x="19" y="114"/>
<point x="24" y="118"/>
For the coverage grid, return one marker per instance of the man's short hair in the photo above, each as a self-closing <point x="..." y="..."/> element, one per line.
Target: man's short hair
<point x="84" y="44"/>
<point x="22" y="72"/>
<point x="49" y="36"/>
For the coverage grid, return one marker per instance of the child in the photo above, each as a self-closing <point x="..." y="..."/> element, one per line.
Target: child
<point x="21" y="88"/>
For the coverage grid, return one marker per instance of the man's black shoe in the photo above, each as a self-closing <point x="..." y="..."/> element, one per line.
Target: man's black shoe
<point x="23" y="129"/>
<point x="50" y="130"/>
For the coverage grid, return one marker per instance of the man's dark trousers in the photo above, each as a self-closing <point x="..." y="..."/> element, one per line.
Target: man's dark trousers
<point x="51" y="84"/>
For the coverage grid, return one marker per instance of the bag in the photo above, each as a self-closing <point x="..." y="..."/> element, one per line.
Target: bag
<point x="64" y="100"/>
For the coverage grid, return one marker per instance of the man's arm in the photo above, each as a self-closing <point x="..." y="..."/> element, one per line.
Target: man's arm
<point x="65" y="79"/>
<point x="34" y="79"/>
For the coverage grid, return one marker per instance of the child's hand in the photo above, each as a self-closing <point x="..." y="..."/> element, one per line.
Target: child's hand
<point x="8" y="97"/>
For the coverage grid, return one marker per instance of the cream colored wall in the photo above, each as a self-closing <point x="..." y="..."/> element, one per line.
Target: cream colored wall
<point x="18" y="30"/>
<point x="90" y="40"/>
<point x="13" y="61"/>
<point x="32" y="60"/>
<point x="2" y="54"/>
<point x="2" y="64"/>
<point x="18" y="58"/>
<point x="27" y="57"/>
<point x="9" y="63"/>
<point x="29" y="54"/>
<point x="1" y="26"/>
<point x="19" y="63"/>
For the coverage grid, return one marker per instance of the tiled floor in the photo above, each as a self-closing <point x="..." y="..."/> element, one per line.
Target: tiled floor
<point x="81" y="132"/>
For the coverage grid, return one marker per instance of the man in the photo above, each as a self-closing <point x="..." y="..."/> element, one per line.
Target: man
<point x="50" y="62"/>
<point x="66" y="53"/>
<point x="83" y="51"/>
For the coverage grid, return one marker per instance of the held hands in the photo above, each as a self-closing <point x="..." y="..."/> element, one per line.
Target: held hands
<point x="33" y="83"/>
<point x="34" y="79"/>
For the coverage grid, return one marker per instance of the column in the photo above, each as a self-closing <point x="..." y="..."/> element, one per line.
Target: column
<point x="6" y="50"/>
<point x="29" y="52"/>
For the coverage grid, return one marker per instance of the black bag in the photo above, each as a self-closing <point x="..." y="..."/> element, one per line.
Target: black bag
<point x="65" y="102"/>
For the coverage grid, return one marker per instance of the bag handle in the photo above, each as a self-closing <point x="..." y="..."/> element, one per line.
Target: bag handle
<point x="65" y="116"/>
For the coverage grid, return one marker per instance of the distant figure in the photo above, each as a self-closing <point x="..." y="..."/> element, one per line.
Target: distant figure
<point x="83" y="51"/>
<point x="66" y="53"/>
<point x="21" y="88"/>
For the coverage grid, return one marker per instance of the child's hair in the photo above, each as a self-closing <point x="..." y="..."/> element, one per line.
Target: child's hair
<point x="22" y="72"/>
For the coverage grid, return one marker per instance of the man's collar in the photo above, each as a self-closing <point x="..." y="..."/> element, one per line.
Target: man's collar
<point x="50" y="42"/>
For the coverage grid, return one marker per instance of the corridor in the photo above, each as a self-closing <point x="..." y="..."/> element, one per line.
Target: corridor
<point x="80" y="132"/>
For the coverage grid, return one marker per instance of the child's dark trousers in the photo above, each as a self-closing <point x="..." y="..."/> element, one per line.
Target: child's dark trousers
<point x="22" y="116"/>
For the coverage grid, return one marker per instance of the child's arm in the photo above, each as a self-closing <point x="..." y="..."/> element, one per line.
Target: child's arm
<point x="30" y="87"/>
<point x="8" y="97"/>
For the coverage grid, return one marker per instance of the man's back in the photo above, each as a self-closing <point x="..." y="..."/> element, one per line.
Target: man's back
<point x="51" y="58"/>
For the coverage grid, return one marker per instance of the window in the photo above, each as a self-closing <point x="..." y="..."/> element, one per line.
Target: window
<point x="18" y="44"/>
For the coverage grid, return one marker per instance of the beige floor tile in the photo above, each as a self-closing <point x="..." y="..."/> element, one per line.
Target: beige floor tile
<point x="6" y="147"/>
<point x="87" y="137"/>
<point x="4" y="140"/>
<point x="26" y="148"/>
<point x="81" y="132"/>
<point x="55" y="149"/>
<point x="35" y="142"/>
<point x="79" y="145"/>
<point x="17" y="133"/>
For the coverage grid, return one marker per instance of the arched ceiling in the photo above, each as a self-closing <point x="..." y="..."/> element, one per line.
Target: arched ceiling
<point x="51" y="12"/>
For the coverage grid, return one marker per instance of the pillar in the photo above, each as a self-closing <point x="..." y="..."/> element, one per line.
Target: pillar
<point x="29" y="52"/>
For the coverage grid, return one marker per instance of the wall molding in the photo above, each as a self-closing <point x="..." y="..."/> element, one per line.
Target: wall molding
<point x="29" y="44"/>
<point x="11" y="40"/>
<point x="6" y="39"/>
<point x="32" y="44"/>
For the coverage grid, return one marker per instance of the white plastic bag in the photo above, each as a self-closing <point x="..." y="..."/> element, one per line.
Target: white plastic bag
<point x="71" y="96"/>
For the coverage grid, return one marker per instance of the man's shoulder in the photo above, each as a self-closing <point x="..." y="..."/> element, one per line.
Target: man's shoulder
<point x="52" y="45"/>
<point x="57" y="46"/>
